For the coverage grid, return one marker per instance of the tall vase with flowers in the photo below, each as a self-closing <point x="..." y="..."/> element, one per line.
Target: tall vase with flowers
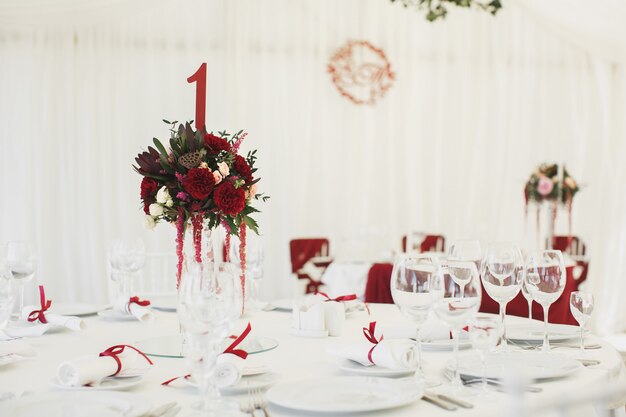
<point x="200" y="181"/>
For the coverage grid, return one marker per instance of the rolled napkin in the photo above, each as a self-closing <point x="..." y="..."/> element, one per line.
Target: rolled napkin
<point x="16" y="347"/>
<point x="119" y="360"/>
<point x="136" y="307"/>
<point x="229" y="365"/>
<point x="32" y="330"/>
<point x="70" y="322"/>
<point x="385" y="353"/>
<point x="308" y="316"/>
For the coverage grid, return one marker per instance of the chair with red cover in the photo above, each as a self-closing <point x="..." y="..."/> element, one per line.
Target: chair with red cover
<point x="572" y="245"/>
<point x="302" y="252"/>
<point x="424" y="243"/>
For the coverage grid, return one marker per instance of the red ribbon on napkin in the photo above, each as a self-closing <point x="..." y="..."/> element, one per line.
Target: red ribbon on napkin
<point x="348" y="297"/>
<point x="169" y="381"/>
<point x="45" y="305"/>
<point x="116" y="350"/>
<point x="370" y="335"/>
<point x="136" y="300"/>
<point x="239" y="352"/>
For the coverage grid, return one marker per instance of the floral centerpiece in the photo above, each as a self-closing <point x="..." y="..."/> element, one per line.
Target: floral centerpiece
<point x="200" y="180"/>
<point x="553" y="185"/>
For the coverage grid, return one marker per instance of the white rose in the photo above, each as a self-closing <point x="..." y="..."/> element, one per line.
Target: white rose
<point x="223" y="168"/>
<point x="169" y="203"/>
<point x="155" y="209"/>
<point x="163" y="195"/>
<point x="148" y="222"/>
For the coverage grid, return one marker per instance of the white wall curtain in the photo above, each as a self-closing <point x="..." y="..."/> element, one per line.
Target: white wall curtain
<point x="477" y="104"/>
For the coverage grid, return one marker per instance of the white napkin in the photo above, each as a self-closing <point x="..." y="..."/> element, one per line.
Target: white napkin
<point x="70" y="322"/>
<point x="30" y="330"/>
<point x="92" y="369"/>
<point x="334" y="317"/>
<point x="143" y="314"/>
<point x="309" y="316"/>
<point x="16" y="347"/>
<point x="392" y="354"/>
<point x="228" y="369"/>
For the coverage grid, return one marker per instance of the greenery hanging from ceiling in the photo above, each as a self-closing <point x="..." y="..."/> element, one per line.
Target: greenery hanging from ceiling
<point x="437" y="9"/>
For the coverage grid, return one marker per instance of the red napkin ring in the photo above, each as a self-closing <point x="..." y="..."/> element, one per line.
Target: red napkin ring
<point x="136" y="300"/>
<point x="45" y="305"/>
<point x="370" y="335"/>
<point x="348" y="297"/>
<point x="169" y="381"/>
<point x="116" y="350"/>
<point x="239" y="352"/>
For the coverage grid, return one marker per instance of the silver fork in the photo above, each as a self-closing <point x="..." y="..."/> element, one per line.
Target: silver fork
<point x="256" y="401"/>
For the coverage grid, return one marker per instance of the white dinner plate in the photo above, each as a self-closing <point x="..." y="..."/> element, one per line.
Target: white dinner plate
<point x="107" y="384"/>
<point x="536" y="366"/>
<point x="116" y="315"/>
<point x="77" y="309"/>
<point x="344" y="394"/>
<point x="83" y="404"/>
<point x="533" y="332"/>
<point x="358" y="369"/>
<point x="445" y="344"/>
<point x="245" y="384"/>
<point x="167" y="303"/>
<point x="285" y="304"/>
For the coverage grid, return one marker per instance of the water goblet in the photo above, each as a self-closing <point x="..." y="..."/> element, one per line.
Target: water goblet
<point x="255" y="257"/>
<point x="411" y="283"/>
<point x="6" y="296"/>
<point x="456" y="307"/>
<point x="126" y="257"/>
<point x="207" y="310"/>
<point x="22" y="264"/>
<point x="545" y="281"/>
<point x="581" y="306"/>
<point x="502" y="272"/>
<point x="484" y="333"/>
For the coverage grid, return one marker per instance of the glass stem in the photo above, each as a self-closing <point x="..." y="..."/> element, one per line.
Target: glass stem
<point x="483" y="358"/>
<point x="419" y="372"/>
<point x="20" y="301"/>
<point x="457" y="377"/>
<point x="546" y="343"/>
<point x="503" y="344"/>
<point x="582" y="339"/>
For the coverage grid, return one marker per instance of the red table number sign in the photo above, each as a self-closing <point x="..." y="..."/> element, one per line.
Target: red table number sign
<point x="200" y="79"/>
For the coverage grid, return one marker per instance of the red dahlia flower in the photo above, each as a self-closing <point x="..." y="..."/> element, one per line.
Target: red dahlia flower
<point x="228" y="199"/>
<point x="214" y="144"/>
<point x="148" y="188"/>
<point x="242" y="167"/>
<point x="199" y="183"/>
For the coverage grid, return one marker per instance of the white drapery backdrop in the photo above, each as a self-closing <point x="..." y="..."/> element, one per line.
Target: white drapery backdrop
<point x="478" y="102"/>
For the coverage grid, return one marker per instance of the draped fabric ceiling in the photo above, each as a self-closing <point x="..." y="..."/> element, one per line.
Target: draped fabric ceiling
<point x="477" y="103"/>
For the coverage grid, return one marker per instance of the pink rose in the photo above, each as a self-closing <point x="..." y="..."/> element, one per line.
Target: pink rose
<point x="251" y="192"/>
<point x="217" y="176"/>
<point x="223" y="168"/>
<point x="545" y="186"/>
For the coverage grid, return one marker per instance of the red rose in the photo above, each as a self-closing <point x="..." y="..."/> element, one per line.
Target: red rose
<point x="242" y="167"/>
<point x="228" y="199"/>
<point x="199" y="182"/>
<point x="214" y="144"/>
<point x="148" y="188"/>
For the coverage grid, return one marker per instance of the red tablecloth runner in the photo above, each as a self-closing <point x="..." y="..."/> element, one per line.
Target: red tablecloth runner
<point x="377" y="290"/>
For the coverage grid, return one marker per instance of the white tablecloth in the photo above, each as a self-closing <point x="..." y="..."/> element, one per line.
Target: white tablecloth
<point x="294" y="359"/>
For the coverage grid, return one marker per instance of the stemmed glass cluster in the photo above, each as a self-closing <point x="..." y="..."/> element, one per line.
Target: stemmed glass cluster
<point x="21" y="261"/>
<point x="126" y="257"/>
<point x="207" y="309"/>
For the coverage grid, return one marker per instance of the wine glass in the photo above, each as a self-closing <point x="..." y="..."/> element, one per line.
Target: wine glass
<point x="466" y="250"/>
<point x="255" y="256"/>
<point x="22" y="264"/>
<point x="6" y="296"/>
<point x="411" y="283"/>
<point x="207" y="310"/>
<point x="545" y="281"/>
<point x="484" y="333"/>
<point x="127" y="257"/>
<point x="581" y="306"/>
<point x="454" y="306"/>
<point x="502" y="274"/>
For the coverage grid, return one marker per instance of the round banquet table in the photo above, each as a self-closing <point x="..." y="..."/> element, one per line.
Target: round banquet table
<point x="295" y="358"/>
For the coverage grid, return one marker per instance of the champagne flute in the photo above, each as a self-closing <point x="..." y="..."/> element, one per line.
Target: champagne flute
<point x="456" y="308"/>
<point x="581" y="306"/>
<point x="127" y="257"/>
<point x="6" y="296"/>
<point x="207" y="310"/>
<point x="545" y="281"/>
<point x="466" y="250"/>
<point x="484" y="334"/>
<point x="22" y="264"/>
<point x="411" y="283"/>
<point x="501" y="276"/>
